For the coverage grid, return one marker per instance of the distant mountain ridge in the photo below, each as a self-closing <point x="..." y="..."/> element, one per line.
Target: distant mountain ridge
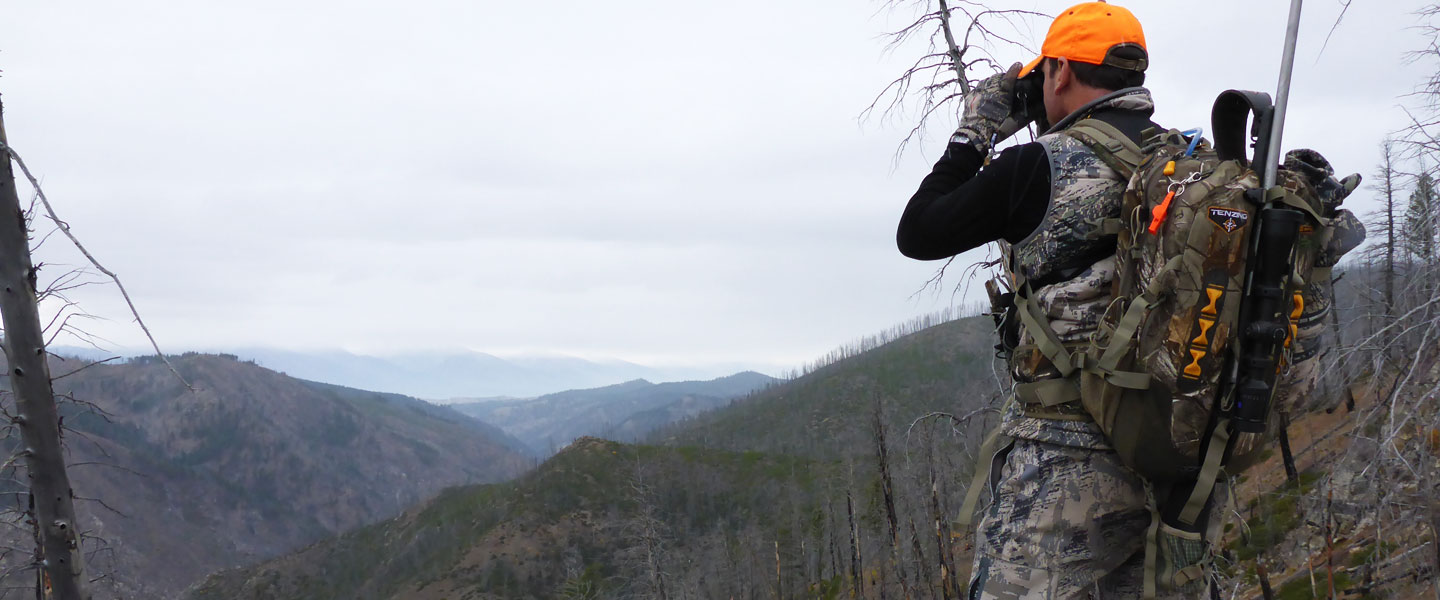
<point x="452" y="375"/>
<point x="251" y="464"/>
<point x="624" y="412"/>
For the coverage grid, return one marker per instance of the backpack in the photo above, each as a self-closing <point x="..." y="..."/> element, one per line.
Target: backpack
<point x="1157" y="374"/>
<point x="1156" y="368"/>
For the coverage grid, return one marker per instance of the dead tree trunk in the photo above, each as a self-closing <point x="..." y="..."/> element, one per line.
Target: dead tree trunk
<point x="1266" y="591"/>
<point x="39" y="423"/>
<point x="856" y="572"/>
<point x="948" y="588"/>
<point x="1286" y="456"/>
<point x="957" y="56"/>
<point x="1387" y="171"/>
<point x="887" y="486"/>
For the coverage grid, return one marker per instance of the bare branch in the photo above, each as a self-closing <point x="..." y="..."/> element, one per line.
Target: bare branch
<point x="65" y="228"/>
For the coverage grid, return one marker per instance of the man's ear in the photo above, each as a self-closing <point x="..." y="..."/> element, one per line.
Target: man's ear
<point x="1064" y="77"/>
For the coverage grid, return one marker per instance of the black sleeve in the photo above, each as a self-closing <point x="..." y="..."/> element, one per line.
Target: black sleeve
<point x="960" y="206"/>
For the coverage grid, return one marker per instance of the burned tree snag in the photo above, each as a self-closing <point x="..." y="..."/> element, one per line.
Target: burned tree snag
<point x="24" y="346"/>
<point x="1286" y="456"/>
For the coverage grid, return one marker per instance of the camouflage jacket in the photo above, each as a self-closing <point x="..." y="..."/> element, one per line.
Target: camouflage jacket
<point x="1070" y="261"/>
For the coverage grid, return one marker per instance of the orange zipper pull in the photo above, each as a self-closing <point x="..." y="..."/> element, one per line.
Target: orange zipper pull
<point x="1158" y="213"/>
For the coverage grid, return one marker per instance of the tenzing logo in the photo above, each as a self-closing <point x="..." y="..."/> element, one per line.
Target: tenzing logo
<point x="1229" y="219"/>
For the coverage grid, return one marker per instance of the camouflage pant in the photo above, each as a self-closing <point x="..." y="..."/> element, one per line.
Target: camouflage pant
<point x="1064" y="522"/>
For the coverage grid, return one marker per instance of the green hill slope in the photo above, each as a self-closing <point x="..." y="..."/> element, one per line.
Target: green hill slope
<point x="601" y="516"/>
<point x="827" y="413"/>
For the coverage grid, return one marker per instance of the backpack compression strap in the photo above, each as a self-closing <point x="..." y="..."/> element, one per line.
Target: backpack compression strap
<point x="1113" y="148"/>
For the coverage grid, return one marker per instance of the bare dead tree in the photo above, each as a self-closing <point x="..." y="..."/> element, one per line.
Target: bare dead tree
<point x="1382" y="225"/>
<point x="649" y="535"/>
<point x="887" y="487"/>
<point x="857" y="581"/>
<point x="956" y="37"/>
<point x="63" y="570"/>
<point x="62" y="561"/>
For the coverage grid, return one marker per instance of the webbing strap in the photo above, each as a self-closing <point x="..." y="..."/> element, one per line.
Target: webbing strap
<point x="1289" y="198"/>
<point x="1038" y="412"/>
<point x="1045" y="338"/>
<point x="1209" y="473"/>
<point x="1124" y="335"/>
<point x="982" y="471"/>
<point x="1152" y="550"/>
<point x="1112" y="147"/>
<point x="1048" y="393"/>
<point x="1133" y="380"/>
<point x="1188" y="574"/>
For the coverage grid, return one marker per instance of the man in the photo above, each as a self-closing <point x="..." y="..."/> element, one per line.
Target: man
<point x="1067" y="519"/>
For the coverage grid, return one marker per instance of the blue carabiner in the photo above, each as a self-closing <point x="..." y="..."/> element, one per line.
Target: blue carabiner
<point x="1194" y="135"/>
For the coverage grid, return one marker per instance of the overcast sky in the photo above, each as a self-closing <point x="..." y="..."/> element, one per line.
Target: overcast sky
<point x="663" y="182"/>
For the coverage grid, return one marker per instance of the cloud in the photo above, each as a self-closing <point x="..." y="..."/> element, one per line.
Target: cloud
<point x="632" y="179"/>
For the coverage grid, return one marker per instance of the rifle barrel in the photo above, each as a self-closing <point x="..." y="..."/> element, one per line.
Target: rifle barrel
<point x="1282" y="95"/>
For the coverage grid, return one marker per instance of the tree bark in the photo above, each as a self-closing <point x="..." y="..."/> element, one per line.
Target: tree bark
<point x="24" y="347"/>
<point x="957" y="56"/>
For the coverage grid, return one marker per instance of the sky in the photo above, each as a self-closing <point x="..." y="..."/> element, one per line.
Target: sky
<point x="658" y="182"/>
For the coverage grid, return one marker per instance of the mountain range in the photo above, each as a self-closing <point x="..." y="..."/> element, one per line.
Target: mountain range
<point x="456" y="375"/>
<point x="623" y="412"/>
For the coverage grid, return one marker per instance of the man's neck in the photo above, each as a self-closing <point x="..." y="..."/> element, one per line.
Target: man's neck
<point x="1082" y="111"/>
<point x="1082" y="97"/>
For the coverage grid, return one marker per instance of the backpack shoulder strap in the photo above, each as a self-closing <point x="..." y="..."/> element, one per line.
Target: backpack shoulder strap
<point x="1115" y="149"/>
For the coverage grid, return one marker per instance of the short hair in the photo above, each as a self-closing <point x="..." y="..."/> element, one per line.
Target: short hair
<point x="1107" y="77"/>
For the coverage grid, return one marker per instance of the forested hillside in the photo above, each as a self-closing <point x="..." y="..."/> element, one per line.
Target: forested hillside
<point x="600" y="519"/>
<point x="827" y="413"/>
<point x="848" y="485"/>
<point x="251" y="464"/>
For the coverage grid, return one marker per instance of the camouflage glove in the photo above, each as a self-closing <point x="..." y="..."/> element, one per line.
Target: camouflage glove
<point x="990" y="112"/>
<point x="1347" y="232"/>
<point x="1321" y="176"/>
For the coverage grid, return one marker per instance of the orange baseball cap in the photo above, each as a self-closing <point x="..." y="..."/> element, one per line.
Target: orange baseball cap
<point x="1087" y="32"/>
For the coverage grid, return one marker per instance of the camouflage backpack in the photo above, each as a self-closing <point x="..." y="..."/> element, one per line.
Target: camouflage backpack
<point x="1154" y="375"/>
<point x="1157" y="376"/>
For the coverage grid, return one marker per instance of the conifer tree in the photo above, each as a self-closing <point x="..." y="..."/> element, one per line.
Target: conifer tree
<point x="1420" y="220"/>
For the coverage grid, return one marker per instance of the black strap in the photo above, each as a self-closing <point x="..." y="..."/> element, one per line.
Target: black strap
<point x="1227" y="120"/>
